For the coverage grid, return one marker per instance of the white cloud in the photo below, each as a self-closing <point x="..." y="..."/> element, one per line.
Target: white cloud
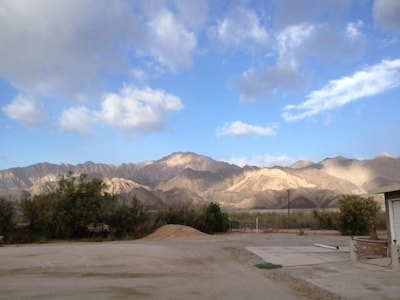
<point x="138" y="110"/>
<point x="78" y="120"/>
<point x="241" y="129"/>
<point x="257" y="83"/>
<point x="387" y="14"/>
<point x="263" y="160"/>
<point x="63" y="47"/>
<point x="25" y="110"/>
<point x="296" y="45"/>
<point x="370" y="81"/>
<point x="242" y="28"/>
<point x="133" y="110"/>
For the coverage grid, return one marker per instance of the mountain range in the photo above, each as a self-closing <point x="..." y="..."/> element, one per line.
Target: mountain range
<point x="187" y="176"/>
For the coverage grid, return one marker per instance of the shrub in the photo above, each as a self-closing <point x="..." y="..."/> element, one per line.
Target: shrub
<point x="6" y="218"/>
<point x="357" y="215"/>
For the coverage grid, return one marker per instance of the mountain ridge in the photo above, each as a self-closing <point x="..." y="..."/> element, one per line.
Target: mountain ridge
<point x="193" y="177"/>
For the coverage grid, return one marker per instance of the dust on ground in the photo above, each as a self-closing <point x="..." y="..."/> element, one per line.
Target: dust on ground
<point x="175" y="262"/>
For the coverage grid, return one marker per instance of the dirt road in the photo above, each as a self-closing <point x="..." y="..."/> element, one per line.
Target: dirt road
<point x="215" y="267"/>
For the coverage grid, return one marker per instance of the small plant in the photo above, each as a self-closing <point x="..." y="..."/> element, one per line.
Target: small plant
<point x="268" y="266"/>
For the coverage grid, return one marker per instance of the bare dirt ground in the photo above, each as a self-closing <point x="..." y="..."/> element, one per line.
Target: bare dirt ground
<point x="175" y="262"/>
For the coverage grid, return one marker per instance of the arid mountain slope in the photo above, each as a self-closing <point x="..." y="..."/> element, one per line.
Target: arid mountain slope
<point x="192" y="177"/>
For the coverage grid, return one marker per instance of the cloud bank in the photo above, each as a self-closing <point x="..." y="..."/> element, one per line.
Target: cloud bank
<point x="65" y="51"/>
<point x="45" y="44"/>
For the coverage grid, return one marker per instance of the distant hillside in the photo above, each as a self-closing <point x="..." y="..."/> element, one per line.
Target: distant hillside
<point x="197" y="178"/>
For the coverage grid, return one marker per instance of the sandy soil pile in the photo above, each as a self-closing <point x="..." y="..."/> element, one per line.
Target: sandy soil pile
<point x="176" y="232"/>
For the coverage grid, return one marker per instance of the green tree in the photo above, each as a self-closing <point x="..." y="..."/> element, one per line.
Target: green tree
<point x="82" y="201"/>
<point x="6" y="218"/>
<point x="357" y="215"/>
<point x="215" y="219"/>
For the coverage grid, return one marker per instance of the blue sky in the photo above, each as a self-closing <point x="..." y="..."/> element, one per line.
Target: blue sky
<point x="248" y="82"/>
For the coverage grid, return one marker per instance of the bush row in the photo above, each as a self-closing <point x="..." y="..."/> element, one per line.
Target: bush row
<point x="79" y="208"/>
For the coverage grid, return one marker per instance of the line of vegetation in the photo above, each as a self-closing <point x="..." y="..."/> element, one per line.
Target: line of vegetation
<point x="356" y="216"/>
<point x="80" y="209"/>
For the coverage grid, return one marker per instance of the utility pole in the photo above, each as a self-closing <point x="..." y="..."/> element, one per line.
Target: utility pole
<point x="288" y="207"/>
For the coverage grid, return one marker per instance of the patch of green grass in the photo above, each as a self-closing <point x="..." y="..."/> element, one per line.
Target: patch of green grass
<point x="268" y="266"/>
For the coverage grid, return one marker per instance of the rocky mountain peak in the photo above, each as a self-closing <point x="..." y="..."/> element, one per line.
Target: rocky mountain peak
<point x="301" y="164"/>
<point x="384" y="155"/>
<point x="183" y="158"/>
<point x="190" y="160"/>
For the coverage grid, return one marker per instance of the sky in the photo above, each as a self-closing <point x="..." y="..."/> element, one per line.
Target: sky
<point x="263" y="83"/>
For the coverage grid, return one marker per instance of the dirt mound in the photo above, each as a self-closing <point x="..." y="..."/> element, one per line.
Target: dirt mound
<point x="174" y="232"/>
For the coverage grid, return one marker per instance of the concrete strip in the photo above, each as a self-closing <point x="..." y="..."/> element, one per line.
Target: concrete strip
<point x="299" y="256"/>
